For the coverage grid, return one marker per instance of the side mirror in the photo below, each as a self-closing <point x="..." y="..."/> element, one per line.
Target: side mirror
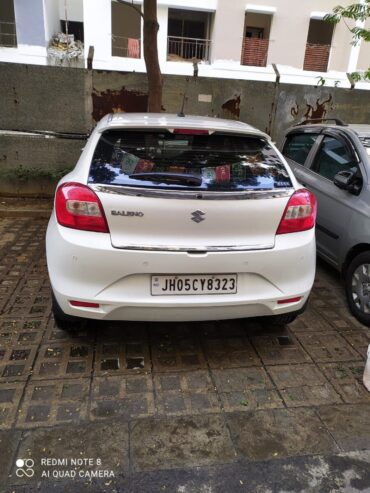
<point x="343" y="179"/>
<point x="348" y="180"/>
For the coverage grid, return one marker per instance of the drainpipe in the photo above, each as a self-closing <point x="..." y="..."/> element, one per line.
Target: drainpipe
<point x="271" y="128"/>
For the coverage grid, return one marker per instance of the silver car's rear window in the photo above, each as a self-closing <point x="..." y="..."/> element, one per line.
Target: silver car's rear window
<point x="186" y="159"/>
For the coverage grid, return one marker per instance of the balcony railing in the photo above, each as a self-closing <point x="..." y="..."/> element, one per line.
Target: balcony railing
<point x="125" y="47"/>
<point x="254" y="52"/>
<point x="8" y="36"/>
<point x="180" y="49"/>
<point x="316" y="57"/>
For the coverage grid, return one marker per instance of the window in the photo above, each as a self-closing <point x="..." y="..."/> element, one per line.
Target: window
<point x="188" y="35"/>
<point x="75" y="28"/>
<point x="8" y="35"/>
<point x="334" y="156"/>
<point x="167" y="160"/>
<point x="254" y="32"/>
<point x="256" y="39"/>
<point x="298" y="146"/>
<point x="319" y="39"/>
<point x="126" y="31"/>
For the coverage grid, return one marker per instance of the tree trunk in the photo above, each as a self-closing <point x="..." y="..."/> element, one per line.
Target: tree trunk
<point x="153" y="70"/>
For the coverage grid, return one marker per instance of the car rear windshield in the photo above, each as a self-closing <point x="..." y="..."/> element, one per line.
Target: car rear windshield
<point x="174" y="160"/>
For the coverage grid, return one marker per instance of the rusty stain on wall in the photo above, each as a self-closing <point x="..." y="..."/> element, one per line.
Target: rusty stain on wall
<point x="294" y="110"/>
<point x="122" y="100"/>
<point x="320" y="110"/>
<point x="231" y="108"/>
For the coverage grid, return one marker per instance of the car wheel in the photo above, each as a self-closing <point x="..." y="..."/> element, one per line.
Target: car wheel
<point x="62" y="320"/>
<point x="357" y="281"/>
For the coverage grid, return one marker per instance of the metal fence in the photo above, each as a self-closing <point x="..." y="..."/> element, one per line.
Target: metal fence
<point x="179" y="48"/>
<point x="126" y="47"/>
<point x="8" y="35"/>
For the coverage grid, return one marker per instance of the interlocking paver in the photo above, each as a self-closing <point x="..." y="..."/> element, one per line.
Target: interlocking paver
<point x="17" y="331"/>
<point x="243" y="389"/>
<point x="303" y="385"/>
<point x="359" y="339"/>
<point x="10" y="396"/>
<point x="279" y="350"/>
<point x="174" y="391"/>
<point x="16" y="362"/>
<point x="230" y="352"/>
<point x="177" y="353"/>
<point x="121" y="356"/>
<point x="52" y="402"/>
<point x="328" y="347"/>
<point x="64" y="360"/>
<point x="185" y="393"/>
<point x="346" y="378"/>
<point x="125" y="396"/>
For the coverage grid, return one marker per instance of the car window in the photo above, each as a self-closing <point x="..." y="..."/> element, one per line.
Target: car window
<point x="332" y="157"/>
<point x="366" y="143"/>
<point x="175" y="160"/>
<point x="298" y="146"/>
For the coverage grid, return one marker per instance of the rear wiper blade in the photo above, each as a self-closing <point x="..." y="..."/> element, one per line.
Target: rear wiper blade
<point x="168" y="177"/>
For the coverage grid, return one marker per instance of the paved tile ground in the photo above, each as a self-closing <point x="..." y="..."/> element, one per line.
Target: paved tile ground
<point x="202" y="407"/>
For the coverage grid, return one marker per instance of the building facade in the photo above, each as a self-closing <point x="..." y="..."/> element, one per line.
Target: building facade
<point x="226" y="38"/>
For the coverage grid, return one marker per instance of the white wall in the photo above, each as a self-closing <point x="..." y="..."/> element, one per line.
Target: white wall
<point x="226" y="46"/>
<point x="51" y="19"/>
<point x="75" y="11"/>
<point x="97" y="30"/>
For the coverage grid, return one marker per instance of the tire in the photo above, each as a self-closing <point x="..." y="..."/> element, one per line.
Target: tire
<point x="69" y="323"/>
<point x="357" y="284"/>
<point x="284" y="319"/>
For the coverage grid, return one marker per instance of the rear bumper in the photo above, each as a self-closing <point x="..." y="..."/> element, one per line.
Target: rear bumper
<point x="84" y="266"/>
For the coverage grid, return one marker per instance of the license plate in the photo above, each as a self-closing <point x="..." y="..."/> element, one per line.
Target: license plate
<point x="194" y="284"/>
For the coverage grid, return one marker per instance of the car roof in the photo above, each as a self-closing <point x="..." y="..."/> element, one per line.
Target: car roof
<point x="168" y="120"/>
<point x="361" y="129"/>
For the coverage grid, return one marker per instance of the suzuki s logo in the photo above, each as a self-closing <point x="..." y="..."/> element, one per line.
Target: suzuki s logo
<point x="197" y="216"/>
<point x="127" y="213"/>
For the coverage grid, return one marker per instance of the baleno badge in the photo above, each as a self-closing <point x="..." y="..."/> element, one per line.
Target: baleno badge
<point x="127" y="213"/>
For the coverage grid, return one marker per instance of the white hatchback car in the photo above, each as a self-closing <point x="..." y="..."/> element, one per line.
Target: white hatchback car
<point x="170" y="218"/>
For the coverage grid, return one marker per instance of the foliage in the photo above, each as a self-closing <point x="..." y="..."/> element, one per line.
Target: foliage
<point x="20" y="173"/>
<point x="355" y="12"/>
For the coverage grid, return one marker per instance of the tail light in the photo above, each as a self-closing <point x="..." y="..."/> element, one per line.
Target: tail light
<point x="299" y="214"/>
<point x="78" y="207"/>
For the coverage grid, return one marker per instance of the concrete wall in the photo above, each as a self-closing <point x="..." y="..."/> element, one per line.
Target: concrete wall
<point x="44" y="98"/>
<point x="72" y="100"/>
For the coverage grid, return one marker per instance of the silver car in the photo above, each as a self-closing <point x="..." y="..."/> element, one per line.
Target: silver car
<point x="333" y="161"/>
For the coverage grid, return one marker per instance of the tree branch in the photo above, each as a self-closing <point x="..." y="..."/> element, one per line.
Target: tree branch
<point x="131" y="4"/>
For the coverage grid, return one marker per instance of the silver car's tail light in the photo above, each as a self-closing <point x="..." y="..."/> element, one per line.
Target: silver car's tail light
<point x="299" y="214"/>
<point x="78" y="207"/>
